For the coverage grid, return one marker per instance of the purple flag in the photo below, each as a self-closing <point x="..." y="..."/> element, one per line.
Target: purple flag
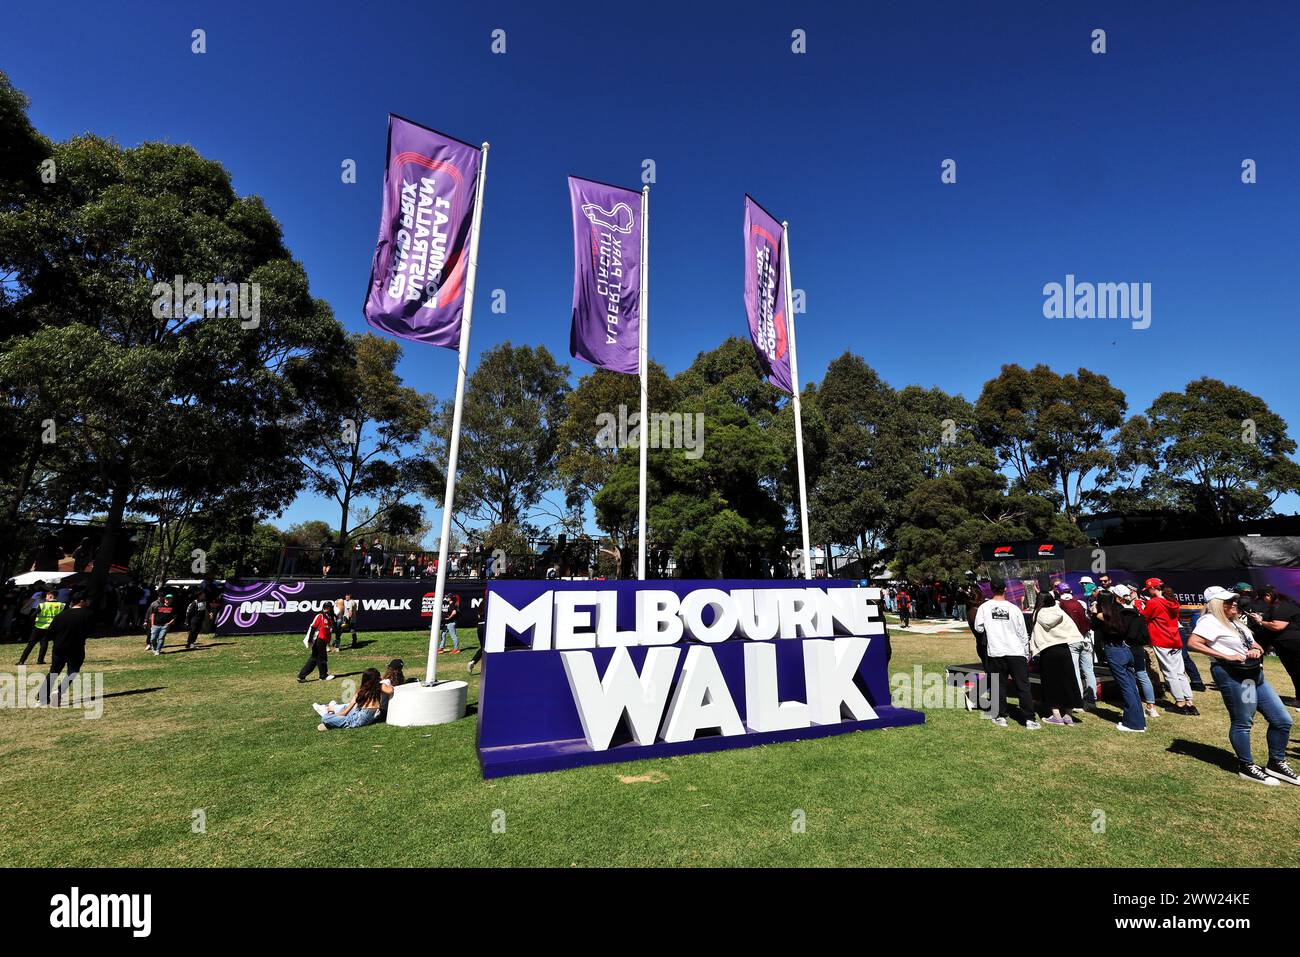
<point x="607" y="275"/>
<point x="417" y="278"/>
<point x="765" y="293"/>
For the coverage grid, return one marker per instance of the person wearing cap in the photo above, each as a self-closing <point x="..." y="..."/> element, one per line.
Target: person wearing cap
<point x="1002" y="625"/>
<point x="1245" y="597"/>
<point x="1081" y="650"/>
<point x="161" y="616"/>
<point x="1114" y="623"/>
<point x="1277" y="618"/>
<point x="1161" y="614"/>
<point x="1238" y="670"/>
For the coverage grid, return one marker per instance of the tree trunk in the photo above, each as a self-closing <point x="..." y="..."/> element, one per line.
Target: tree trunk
<point x="108" y="542"/>
<point x="15" y="506"/>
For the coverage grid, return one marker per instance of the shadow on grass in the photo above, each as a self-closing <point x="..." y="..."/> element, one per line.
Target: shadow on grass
<point x="1114" y="717"/>
<point x="133" y="691"/>
<point x="182" y="650"/>
<point x="1221" y="758"/>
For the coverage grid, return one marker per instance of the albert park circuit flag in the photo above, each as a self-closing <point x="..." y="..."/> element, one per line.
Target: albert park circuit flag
<point x="606" y="276"/>
<point x="765" y="293"/>
<point x="417" y="278"/>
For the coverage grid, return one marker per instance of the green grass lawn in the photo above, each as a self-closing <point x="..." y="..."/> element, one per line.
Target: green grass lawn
<point x="226" y="730"/>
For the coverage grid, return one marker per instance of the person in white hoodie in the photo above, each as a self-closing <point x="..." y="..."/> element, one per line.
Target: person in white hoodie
<point x="1003" y="626"/>
<point x="1054" y="633"/>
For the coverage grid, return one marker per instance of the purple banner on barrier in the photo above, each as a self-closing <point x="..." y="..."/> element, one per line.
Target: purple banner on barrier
<point x="271" y="607"/>
<point x="583" y="673"/>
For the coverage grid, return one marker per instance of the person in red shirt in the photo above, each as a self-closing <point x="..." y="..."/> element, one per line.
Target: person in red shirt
<point x="1161" y="613"/>
<point x="318" y="635"/>
<point x="904" y="608"/>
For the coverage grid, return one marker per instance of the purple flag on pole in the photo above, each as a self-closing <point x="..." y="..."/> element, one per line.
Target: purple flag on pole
<point x="765" y="293"/>
<point x="607" y="275"/>
<point x="417" y="278"/>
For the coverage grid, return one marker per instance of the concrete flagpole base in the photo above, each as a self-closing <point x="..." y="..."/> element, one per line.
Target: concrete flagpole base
<point x="415" y="706"/>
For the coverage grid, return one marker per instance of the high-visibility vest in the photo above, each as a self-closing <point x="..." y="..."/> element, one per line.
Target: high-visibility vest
<point x="46" y="613"/>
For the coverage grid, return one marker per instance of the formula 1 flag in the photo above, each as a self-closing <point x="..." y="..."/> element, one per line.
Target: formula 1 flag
<point x="417" y="278"/>
<point x="765" y="293"/>
<point x="606" y="276"/>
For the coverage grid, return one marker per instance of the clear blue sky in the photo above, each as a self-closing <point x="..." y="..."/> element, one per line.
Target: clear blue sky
<point x="1117" y="167"/>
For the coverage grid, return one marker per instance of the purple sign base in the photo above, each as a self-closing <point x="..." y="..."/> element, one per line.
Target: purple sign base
<point x="559" y="755"/>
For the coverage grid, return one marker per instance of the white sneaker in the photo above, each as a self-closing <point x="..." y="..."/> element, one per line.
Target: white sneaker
<point x="1153" y="713"/>
<point x="1000" y="722"/>
<point x="329" y="677"/>
<point x="320" y="709"/>
<point x="1121" y="727"/>
<point x="1032" y="725"/>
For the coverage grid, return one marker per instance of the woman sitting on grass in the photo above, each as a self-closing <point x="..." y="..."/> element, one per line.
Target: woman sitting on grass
<point x="1054" y="630"/>
<point x="393" y="677"/>
<point x="362" y="710"/>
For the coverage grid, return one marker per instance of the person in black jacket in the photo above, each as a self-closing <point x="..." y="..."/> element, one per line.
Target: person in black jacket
<point x="68" y="632"/>
<point x="1117" y="625"/>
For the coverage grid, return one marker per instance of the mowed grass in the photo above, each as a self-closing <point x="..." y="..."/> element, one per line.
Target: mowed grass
<point x="226" y="731"/>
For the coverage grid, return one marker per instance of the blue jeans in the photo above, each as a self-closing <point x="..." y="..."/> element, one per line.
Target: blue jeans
<point x="157" y="635"/>
<point x="1147" y="690"/>
<point x="1193" y="675"/>
<point x="356" y="718"/>
<point x="1243" y="697"/>
<point x="449" y="629"/>
<point x="1081" y="652"/>
<point x="1120" y="660"/>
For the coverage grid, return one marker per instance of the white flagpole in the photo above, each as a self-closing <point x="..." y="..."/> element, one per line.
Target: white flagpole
<point x="798" y="415"/>
<point x="644" y="323"/>
<point x="453" y="447"/>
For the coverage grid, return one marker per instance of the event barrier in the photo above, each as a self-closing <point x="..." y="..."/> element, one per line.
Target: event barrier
<point x="270" y="607"/>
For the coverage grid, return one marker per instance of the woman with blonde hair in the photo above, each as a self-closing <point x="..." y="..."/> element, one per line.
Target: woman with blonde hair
<point x="1238" y="670"/>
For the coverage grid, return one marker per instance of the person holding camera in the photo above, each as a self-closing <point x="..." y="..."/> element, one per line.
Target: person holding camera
<point x="1276" y="618"/>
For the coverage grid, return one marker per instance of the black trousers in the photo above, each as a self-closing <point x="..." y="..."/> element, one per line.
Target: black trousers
<point x="320" y="651"/>
<point x="1005" y="669"/>
<point x="904" y="615"/>
<point x="72" y="661"/>
<point x="1288" y="653"/>
<point x="41" y="635"/>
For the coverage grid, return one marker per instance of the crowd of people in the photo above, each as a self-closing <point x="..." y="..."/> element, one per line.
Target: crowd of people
<point x="936" y="599"/>
<point x="1138" y="633"/>
<point x="367" y="560"/>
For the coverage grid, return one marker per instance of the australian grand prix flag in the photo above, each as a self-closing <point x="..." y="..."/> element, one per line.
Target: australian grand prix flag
<point x="607" y="275"/>
<point x="417" y="278"/>
<point x="765" y="293"/>
<point x="594" y="672"/>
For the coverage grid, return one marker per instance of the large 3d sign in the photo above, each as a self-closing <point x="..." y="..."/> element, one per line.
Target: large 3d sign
<point x="593" y="672"/>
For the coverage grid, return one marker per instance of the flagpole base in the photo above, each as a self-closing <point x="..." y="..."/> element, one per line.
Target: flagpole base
<point x="416" y="706"/>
